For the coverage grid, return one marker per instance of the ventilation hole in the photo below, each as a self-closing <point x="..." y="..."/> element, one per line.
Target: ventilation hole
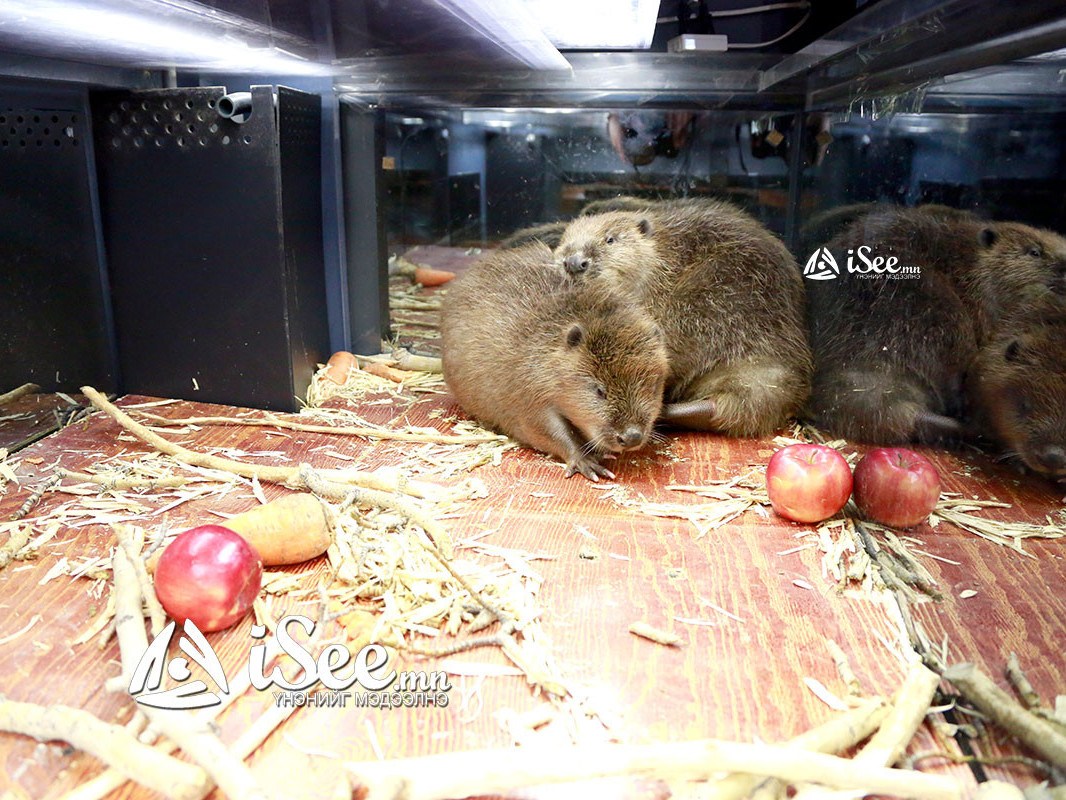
<point x="3" y="142"/>
<point x="138" y="141"/>
<point x="12" y="131"/>
<point x="46" y="131"/>
<point x="247" y="140"/>
<point x="3" y="119"/>
<point x="29" y="131"/>
<point x="168" y="128"/>
<point x="40" y="143"/>
<point x="225" y="140"/>
<point x="57" y="143"/>
<point x="126" y="130"/>
<point x="200" y="115"/>
<point x="147" y="130"/>
<point x="188" y="103"/>
<point x="144" y="106"/>
<point x="192" y="129"/>
<point x="179" y="116"/>
<point x="73" y="117"/>
<point x="55" y="118"/>
<point x="74" y="142"/>
<point x="181" y="142"/>
<point x="116" y="142"/>
<point x="159" y="142"/>
<point x="203" y="142"/>
<point x="213" y="128"/>
<point x="135" y="118"/>
<point x="210" y="103"/>
<point x="156" y="117"/>
<point x="167" y="105"/>
<point x="22" y="142"/>
<point x="19" y="120"/>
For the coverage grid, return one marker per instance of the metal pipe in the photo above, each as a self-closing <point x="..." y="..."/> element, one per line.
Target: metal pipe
<point x="236" y="106"/>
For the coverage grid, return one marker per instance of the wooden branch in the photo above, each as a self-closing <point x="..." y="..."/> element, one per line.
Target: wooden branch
<point x="36" y="496"/>
<point x="406" y="360"/>
<point x="197" y="740"/>
<point x="15" y="394"/>
<point x="112" y="744"/>
<point x="909" y="709"/>
<point x="982" y="691"/>
<point x="839" y="733"/>
<point x="840" y="659"/>
<point x="272" y="421"/>
<point x="486" y="772"/>
<point x="1016" y="675"/>
<point x="109" y="482"/>
<point x="132" y="544"/>
<point x="288" y="476"/>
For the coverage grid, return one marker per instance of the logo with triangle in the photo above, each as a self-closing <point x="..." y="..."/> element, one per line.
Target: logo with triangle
<point x="821" y="266"/>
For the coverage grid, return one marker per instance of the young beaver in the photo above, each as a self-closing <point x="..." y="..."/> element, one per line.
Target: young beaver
<point x="892" y="351"/>
<point x="1018" y="387"/>
<point x="547" y="233"/>
<point x="576" y="371"/>
<point x="728" y="297"/>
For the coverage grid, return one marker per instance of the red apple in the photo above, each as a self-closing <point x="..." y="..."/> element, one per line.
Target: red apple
<point x="896" y="487"/>
<point x="209" y="575"/>
<point x="808" y="482"/>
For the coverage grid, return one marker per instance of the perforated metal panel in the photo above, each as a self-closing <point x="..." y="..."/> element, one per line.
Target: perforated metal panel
<point x="214" y="250"/>
<point x="54" y="311"/>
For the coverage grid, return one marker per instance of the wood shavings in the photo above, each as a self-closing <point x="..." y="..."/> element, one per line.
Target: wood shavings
<point x="646" y="631"/>
<point x="818" y="689"/>
<point x="843" y="665"/>
<point x="731" y="498"/>
<point x="960" y="512"/>
<point x="720" y="610"/>
<point x="18" y="539"/>
<point x="24" y="629"/>
<point x="966" y="594"/>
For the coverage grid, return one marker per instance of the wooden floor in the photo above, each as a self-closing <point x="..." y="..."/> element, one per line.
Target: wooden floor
<point x="738" y="676"/>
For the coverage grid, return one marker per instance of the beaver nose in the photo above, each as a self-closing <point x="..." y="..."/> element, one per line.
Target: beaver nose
<point x="1051" y="457"/>
<point x="576" y="263"/>
<point x="631" y="436"/>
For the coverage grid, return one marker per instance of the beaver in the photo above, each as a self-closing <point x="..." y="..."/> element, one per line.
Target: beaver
<point x="574" y="370"/>
<point x="1018" y="386"/>
<point x="548" y="233"/>
<point x="892" y="350"/>
<point x="728" y="297"/>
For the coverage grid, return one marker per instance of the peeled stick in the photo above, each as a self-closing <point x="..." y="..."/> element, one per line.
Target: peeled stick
<point x="290" y="530"/>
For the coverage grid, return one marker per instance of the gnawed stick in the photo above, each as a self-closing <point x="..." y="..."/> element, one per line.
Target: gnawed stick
<point x="132" y="540"/>
<point x="115" y="482"/>
<point x="288" y="476"/>
<point x="1016" y="675"/>
<point x="15" y="394"/>
<point x="485" y="772"/>
<point x="198" y="742"/>
<point x="35" y="497"/>
<point x="840" y="659"/>
<point x="407" y="360"/>
<point x="109" y="780"/>
<point x="271" y="421"/>
<point x="839" y="733"/>
<point x="112" y="744"/>
<point x="898" y="728"/>
<point x="980" y="690"/>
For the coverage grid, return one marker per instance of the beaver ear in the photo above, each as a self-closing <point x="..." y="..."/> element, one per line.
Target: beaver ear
<point x="644" y="227"/>
<point x="574" y="336"/>
<point x="987" y="237"/>
<point x="1013" y="353"/>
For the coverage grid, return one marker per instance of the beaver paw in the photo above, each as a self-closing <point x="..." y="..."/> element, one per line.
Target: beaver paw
<point x="591" y="469"/>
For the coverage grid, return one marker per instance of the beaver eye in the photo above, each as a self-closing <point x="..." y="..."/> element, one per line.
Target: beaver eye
<point x="610" y="240"/>
<point x="1035" y="252"/>
<point x="601" y="392"/>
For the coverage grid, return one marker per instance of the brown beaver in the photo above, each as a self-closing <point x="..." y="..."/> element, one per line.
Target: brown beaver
<point x="728" y="297"/>
<point x="1018" y="386"/>
<point x="574" y="370"/>
<point x="892" y="351"/>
